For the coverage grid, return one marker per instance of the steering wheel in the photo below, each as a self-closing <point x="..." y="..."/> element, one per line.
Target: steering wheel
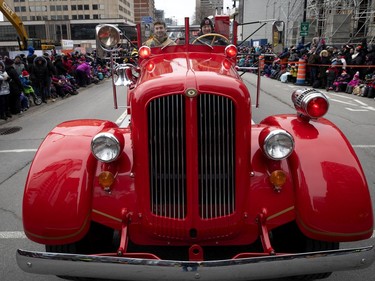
<point x="214" y="37"/>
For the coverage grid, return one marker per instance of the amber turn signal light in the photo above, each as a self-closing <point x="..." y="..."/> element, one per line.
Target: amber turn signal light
<point x="278" y="178"/>
<point x="106" y="179"/>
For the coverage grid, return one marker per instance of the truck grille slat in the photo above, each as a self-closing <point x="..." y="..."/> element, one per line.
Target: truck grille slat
<point x="166" y="119"/>
<point x="216" y="156"/>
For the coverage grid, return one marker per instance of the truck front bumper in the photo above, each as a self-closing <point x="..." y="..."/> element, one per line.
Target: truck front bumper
<point x="120" y="268"/>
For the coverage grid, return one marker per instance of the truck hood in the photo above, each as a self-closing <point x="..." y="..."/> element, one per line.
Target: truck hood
<point x="180" y="71"/>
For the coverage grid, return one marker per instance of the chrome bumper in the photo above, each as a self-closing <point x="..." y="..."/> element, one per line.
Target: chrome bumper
<point x="117" y="268"/>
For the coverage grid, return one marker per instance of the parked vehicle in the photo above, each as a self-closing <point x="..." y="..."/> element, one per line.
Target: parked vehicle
<point x="191" y="189"/>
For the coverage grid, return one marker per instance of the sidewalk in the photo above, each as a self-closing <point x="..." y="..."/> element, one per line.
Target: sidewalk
<point x="36" y="107"/>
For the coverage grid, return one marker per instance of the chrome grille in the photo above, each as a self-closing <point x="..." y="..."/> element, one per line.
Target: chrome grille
<point x="167" y="149"/>
<point x="216" y="155"/>
<point x="216" y="125"/>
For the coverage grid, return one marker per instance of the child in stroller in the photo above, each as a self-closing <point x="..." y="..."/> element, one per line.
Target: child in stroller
<point x="28" y="91"/>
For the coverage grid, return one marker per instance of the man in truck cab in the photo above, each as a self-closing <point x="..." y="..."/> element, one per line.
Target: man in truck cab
<point x="205" y="37"/>
<point x="160" y="37"/>
<point x="206" y="26"/>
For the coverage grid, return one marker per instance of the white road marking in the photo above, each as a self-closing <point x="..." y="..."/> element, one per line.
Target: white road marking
<point x="344" y="102"/>
<point x="364" y="146"/>
<point x="12" y="235"/>
<point x="121" y="118"/>
<point x="18" y="150"/>
<point x="356" y="110"/>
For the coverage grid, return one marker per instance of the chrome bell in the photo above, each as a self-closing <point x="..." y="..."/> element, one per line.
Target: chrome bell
<point x="124" y="72"/>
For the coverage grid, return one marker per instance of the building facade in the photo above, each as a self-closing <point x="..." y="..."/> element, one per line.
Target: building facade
<point x="207" y="8"/>
<point x="338" y="22"/>
<point x="54" y="20"/>
<point x="143" y="8"/>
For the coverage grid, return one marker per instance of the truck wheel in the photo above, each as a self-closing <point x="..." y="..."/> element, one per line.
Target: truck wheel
<point x="99" y="239"/>
<point x="289" y="239"/>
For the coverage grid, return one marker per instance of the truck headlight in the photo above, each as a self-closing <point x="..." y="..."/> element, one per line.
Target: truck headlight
<point x="276" y="144"/>
<point x="106" y="147"/>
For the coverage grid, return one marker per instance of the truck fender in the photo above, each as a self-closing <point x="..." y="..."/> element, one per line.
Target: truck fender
<point x="332" y="198"/>
<point x="58" y="190"/>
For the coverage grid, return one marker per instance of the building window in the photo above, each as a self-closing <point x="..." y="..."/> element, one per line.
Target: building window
<point x="38" y="8"/>
<point x="20" y="9"/>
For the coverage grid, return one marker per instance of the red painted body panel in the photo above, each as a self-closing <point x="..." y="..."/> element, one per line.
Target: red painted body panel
<point x="58" y="194"/>
<point x="331" y="193"/>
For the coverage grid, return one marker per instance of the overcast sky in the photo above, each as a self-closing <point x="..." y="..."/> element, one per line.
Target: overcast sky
<point x="180" y="9"/>
<point x="176" y="8"/>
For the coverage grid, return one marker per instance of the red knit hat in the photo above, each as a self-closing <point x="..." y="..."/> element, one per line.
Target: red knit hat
<point x="25" y="73"/>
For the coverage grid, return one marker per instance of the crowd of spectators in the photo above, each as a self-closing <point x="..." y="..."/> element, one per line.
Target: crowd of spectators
<point x="30" y="78"/>
<point x="348" y="68"/>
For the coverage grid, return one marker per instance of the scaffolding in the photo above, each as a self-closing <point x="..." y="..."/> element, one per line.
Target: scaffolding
<point x="337" y="21"/>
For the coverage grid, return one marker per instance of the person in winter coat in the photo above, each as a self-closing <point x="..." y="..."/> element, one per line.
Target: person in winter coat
<point x="67" y="62"/>
<point x="284" y="56"/>
<point x="51" y="72"/>
<point x="313" y="61"/>
<point x="341" y="81"/>
<point x="83" y="72"/>
<point x="353" y="83"/>
<point x="325" y="61"/>
<point x="4" y="93"/>
<point x="60" y="68"/>
<point x="15" y="87"/>
<point x="30" y="58"/>
<point x="358" y="58"/>
<point x="160" y="37"/>
<point x="18" y="65"/>
<point x="369" y="60"/>
<point x="39" y="77"/>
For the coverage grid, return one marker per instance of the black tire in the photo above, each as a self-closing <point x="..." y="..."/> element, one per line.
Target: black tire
<point x="289" y="239"/>
<point x="37" y="100"/>
<point x="99" y="239"/>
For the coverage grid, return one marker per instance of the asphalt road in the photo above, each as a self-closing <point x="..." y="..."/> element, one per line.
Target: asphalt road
<point x="354" y="115"/>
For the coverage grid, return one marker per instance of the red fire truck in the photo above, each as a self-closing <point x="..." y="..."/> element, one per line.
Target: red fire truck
<point x="190" y="189"/>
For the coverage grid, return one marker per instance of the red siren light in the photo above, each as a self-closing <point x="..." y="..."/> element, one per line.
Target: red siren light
<point x="310" y="103"/>
<point x="231" y="51"/>
<point x="144" y="52"/>
<point x="317" y="107"/>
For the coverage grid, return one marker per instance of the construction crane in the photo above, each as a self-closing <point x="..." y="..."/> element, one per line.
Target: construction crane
<point x="23" y="40"/>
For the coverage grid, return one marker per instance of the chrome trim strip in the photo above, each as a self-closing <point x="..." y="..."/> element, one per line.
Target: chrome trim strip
<point x="118" y="268"/>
